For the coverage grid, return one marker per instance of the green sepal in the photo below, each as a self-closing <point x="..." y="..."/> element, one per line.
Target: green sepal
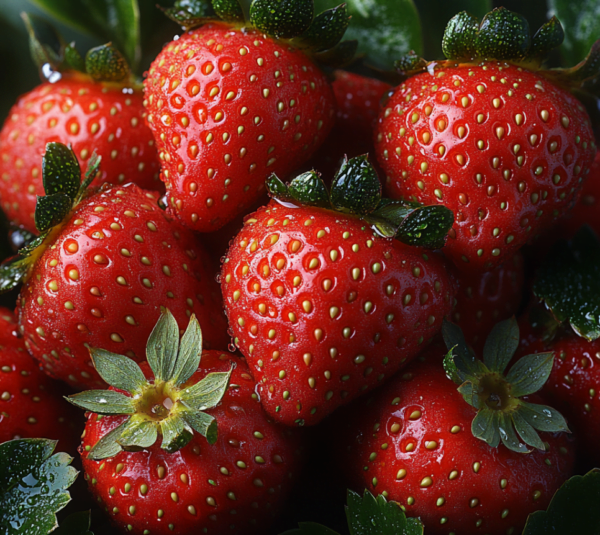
<point x="138" y="434"/>
<point x="103" y="402"/>
<point x="426" y="226"/>
<point x="530" y="373"/>
<point x="282" y="19"/>
<point x="61" y="172"/>
<point x="587" y="69"/>
<point x="106" y="64"/>
<point x="527" y="432"/>
<point x="543" y="417"/>
<point x="460" y="36"/>
<point x="469" y="394"/>
<point x="501" y="344"/>
<point x="12" y="273"/>
<point x="503" y="35"/>
<point x="208" y="392"/>
<point x="91" y="172"/>
<point x="410" y="64"/>
<point x="26" y="250"/>
<point x="190" y="13"/>
<point x="118" y="371"/>
<point x="507" y="434"/>
<point x="228" y="10"/>
<point x="45" y="43"/>
<point x="547" y="38"/>
<point x="485" y="426"/>
<point x="108" y="446"/>
<point x="51" y="210"/>
<point x="339" y="56"/>
<point x="73" y="59"/>
<point x="326" y="30"/>
<point x="450" y="367"/>
<point x="176" y="433"/>
<point x="278" y="189"/>
<point x="356" y="188"/>
<point x="309" y="189"/>
<point x="163" y="346"/>
<point x="190" y="353"/>
<point x="464" y="359"/>
<point x="203" y="423"/>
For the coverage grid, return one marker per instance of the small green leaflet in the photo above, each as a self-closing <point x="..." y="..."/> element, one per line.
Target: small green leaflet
<point x="573" y="509"/>
<point x="569" y="283"/>
<point x="33" y="485"/>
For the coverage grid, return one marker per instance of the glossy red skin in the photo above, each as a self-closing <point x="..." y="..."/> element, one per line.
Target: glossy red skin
<point x="424" y="387"/>
<point x="209" y="183"/>
<point x="383" y="338"/>
<point x="487" y="298"/>
<point x="74" y="110"/>
<point x="238" y="416"/>
<point x="358" y="101"/>
<point x="31" y="404"/>
<point x="478" y="206"/>
<point x="105" y="312"/>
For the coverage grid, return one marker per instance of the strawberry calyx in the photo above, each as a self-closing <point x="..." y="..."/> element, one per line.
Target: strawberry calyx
<point x="54" y="57"/>
<point x="61" y="177"/>
<point x="163" y="405"/>
<point x="356" y="192"/>
<point x="292" y="20"/>
<point x="502" y="416"/>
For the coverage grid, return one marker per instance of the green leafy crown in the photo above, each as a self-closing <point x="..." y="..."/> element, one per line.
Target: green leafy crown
<point x="293" y="20"/>
<point x="502" y="416"/>
<point x="356" y="189"/>
<point x="164" y="405"/>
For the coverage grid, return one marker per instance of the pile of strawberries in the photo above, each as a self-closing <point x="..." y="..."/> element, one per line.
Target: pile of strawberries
<point x="370" y="299"/>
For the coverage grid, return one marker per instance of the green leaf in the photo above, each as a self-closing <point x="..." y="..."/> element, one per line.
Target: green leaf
<point x="51" y="210"/>
<point x="203" y="423"/>
<point x="45" y="43"/>
<point x="105" y="63"/>
<point x="530" y="373"/>
<point x="376" y="516"/>
<point x="108" y="446"/>
<point x="103" y="402"/>
<point x="503" y="34"/>
<point x="569" y="283"/>
<point x="581" y="22"/>
<point x="485" y="426"/>
<point x="327" y="29"/>
<point x="73" y="14"/>
<point x="573" y="509"/>
<point x="527" y="432"/>
<point x="426" y="226"/>
<point x="117" y="370"/>
<point x="75" y="524"/>
<point x="208" y="392"/>
<point x="507" y="433"/>
<point x="464" y="359"/>
<point x="460" y="36"/>
<point x="176" y="433"/>
<point x="501" y="344"/>
<point x="12" y="272"/>
<point x="542" y="417"/>
<point x="308" y="189"/>
<point x="60" y="170"/>
<point x="310" y="528"/>
<point x="356" y="187"/>
<point x="124" y="28"/>
<point x="190" y="352"/>
<point x="228" y="10"/>
<point x="139" y="434"/>
<point x="283" y="19"/>
<point x="33" y="485"/>
<point x="163" y="346"/>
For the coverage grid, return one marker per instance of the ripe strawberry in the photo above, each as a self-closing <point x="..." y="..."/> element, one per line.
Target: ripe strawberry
<point x="100" y="276"/>
<point x="485" y="299"/>
<point x="230" y="103"/>
<point x="235" y="482"/>
<point x="89" y="113"/>
<point x="31" y="404"/>
<point x="502" y="146"/>
<point x="414" y="442"/>
<point x="323" y="306"/>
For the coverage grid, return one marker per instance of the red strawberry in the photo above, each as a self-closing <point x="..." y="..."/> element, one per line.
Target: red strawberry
<point x="100" y="276"/>
<point x="231" y="104"/>
<point x="321" y="305"/>
<point x="487" y="298"/>
<point x="412" y="442"/>
<point x="31" y="404"/>
<point x="87" y="113"/>
<point x="235" y="482"/>
<point x="502" y="146"/>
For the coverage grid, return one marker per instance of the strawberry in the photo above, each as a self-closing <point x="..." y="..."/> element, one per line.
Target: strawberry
<point x="502" y="146"/>
<point x="321" y="304"/>
<point x="100" y="275"/>
<point x="229" y="103"/>
<point x="417" y="442"/>
<point x="234" y="482"/>
<point x="31" y="405"/>
<point x="89" y="113"/>
<point x="485" y="299"/>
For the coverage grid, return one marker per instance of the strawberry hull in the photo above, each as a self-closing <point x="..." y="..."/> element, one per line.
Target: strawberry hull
<point x="324" y="309"/>
<point x="228" y="108"/>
